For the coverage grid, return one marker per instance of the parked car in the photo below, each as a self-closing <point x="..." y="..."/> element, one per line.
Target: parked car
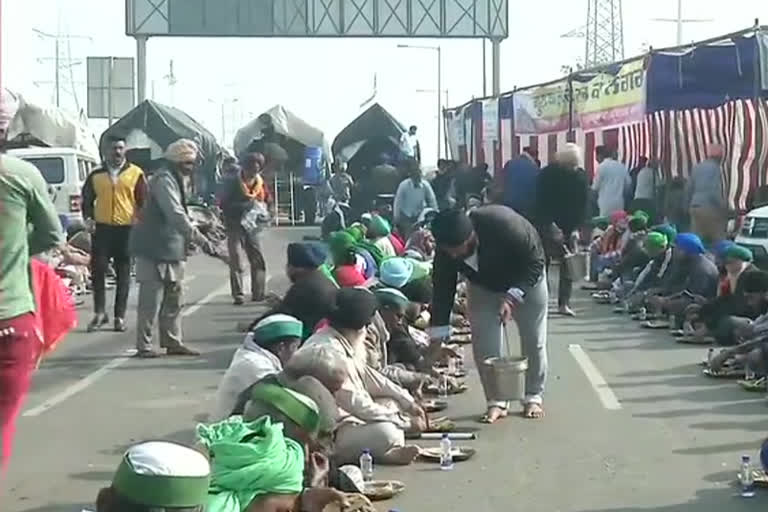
<point x="754" y="234"/>
<point x="65" y="171"/>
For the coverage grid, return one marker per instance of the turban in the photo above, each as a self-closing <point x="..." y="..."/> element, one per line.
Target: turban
<point x="737" y="252"/>
<point x="667" y="230"/>
<point x="601" y="222"/>
<point x="641" y="214"/>
<point x="354" y="308"/>
<point x="183" y="150"/>
<point x="369" y="266"/>
<point x="357" y="231"/>
<point x="419" y="290"/>
<point x="300" y="409"/>
<point x="396" y="272"/>
<point x="250" y="459"/>
<point x="159" y="474"/>
<point x="341" y="243"/>
<point x="689" y="243"/>
<point x="306" y="254"/>
<point x="379" y="227"/>
<point x="755" y="281"/>
<point x="721" y="247"/>
<point x="348" y="276"/>
<point x="619" y="216"/>
<point x="391" y="297"/>
<point x="638" y="223"/>
<point x="657" y="241"/>
<point x="275" y="328"/>
<point x="451" y="228"/>
<point x="9" y="105"/>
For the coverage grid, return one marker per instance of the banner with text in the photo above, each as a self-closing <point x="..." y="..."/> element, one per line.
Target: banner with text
<point x="599" y="101"/>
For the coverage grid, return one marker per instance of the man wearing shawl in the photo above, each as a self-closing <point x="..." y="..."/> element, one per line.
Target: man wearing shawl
<point x="159" y="242"/>
<point x="373" y="411"/>
<point x="158" y="476"/>
<point x="28" y="226"/>
<point x="265" y="350"/>
<point x="239" y="196"/>
<point x="701" y="279"/>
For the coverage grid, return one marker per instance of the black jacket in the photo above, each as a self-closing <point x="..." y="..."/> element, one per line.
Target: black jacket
<point x="509" y="254"/>
<point x="310" y="299"/>
<point x="562" y="197"/>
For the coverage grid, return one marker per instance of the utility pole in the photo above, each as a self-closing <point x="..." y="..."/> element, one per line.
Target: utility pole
<point x="679" y="21"/>
<point x="171" y="78"/>
<point x="57" y="38"/>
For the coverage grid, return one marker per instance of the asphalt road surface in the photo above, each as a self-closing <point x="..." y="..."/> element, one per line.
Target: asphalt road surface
<point x="631" y="424"/>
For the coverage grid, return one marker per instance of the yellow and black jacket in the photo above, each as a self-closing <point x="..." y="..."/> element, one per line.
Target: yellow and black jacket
<point x="114" y="203"/>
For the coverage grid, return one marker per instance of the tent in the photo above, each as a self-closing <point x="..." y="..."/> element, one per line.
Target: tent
<point x="154" y="126"/>
<point x="372" y="133"/>
<point x="46" y="125"/>
<point x="300" y="133"/>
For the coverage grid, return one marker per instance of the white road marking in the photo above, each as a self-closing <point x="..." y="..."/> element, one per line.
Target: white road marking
<point x="91" y="378"/>
<point x="595" y="378"/>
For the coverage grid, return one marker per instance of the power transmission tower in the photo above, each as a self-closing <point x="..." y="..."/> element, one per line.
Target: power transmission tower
<point x="604" y="32"/>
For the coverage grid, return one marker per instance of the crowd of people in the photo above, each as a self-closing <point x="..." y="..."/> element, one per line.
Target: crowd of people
<point x="340" y="364"/>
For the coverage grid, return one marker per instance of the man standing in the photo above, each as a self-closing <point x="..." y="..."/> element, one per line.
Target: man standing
<point x="159" y="242"/>
<point x="412" y="197"/>
<point x="112" y="195"/>
<point x="706" y="201"/>
<point x="520" y="178"/>
<point x="409" y="144"/>
<point x="28" y="225"/>
<point x="341" y="183"/>
<point x="501" y="255"/>
<point x="239" y="196"/>
<point x="611" y="183"/>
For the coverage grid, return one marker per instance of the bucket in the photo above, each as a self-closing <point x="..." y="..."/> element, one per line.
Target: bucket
<point x="504" y="377"/>
<point x="576" y="263"/>
<point x="313" y="165"/>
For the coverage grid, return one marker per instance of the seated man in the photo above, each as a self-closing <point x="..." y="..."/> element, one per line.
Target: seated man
<point x="311" y="294"/>
<point x="378" y="233"/>
<point x="606" y="250"/>
<point x="348" y="270"/>
<point x="659" y="250"/>
<point x="633" y="257"/>
<point x="373" y="411"/>
<point x="265" y="350"/>
<point x="701" y="276"/>
<point x="158" y="476"/>
<point x="732" y="329"/>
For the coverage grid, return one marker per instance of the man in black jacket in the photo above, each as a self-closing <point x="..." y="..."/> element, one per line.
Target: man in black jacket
<point x="501" y="255"/>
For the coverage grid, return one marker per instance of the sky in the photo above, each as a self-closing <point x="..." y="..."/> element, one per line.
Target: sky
<point x="326" y="81"/>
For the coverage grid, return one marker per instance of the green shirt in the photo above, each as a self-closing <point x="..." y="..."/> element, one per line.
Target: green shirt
<point x="28" y="225"/>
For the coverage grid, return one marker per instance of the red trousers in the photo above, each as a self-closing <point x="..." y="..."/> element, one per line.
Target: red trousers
<point x="20" y="349"/>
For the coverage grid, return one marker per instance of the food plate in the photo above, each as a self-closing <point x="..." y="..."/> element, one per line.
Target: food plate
<point x="434" y="405"/>
<point x="655" y="324"/>
<point x="432" y="389"/>
<point x="378" y="490"/>
<point x="724" y="373"/>
<point x="460" y="453"/>
<point x="461" y="339"/>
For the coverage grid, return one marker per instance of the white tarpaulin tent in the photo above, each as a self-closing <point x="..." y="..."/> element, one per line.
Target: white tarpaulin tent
<point x="286" y="123"/>
<point x="52" y="127"/>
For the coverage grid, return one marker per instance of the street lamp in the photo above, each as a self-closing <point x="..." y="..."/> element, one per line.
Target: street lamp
<point x="439" y="88"/>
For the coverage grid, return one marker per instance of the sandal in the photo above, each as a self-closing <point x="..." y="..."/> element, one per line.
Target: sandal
<point x="486" y="418"/>
<point x="533" y="411"/>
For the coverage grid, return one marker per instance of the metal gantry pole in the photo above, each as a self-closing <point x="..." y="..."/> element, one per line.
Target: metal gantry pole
<point x="141" y="69"/>
<point x="496" y="57"/>
<point x="439" y="102"/>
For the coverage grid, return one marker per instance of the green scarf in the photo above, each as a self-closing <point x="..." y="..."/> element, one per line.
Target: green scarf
<point x="250" y="459"/>
<point x="375" y="252"/>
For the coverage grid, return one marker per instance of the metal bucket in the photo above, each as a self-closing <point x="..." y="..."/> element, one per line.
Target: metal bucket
<point x="576" y="263"/>
<point x="504" y="377"/>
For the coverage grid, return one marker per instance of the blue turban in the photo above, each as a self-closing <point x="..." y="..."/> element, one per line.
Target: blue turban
<point x="721" y="247"/>
<point x="306" y="254"/>
<point x="689" y="243"/>
<point x="396" y="272"/>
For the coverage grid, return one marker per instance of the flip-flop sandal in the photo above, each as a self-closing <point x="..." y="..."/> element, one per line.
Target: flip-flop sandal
<point x="755" y="385"/>
<point x="487" y="420"/>
<point x="527" y="412"/>
<point x="724" y="373"/>
<point x="696" y="340"/>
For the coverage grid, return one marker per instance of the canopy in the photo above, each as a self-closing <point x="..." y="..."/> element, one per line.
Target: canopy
<point x="50" y="126"/>
<point x="287" y="124"/>
<point x="154" y="126"/>
<point x="374" y="123"/>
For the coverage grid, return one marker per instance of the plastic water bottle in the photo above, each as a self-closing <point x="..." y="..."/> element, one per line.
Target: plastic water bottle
<point x="443" y="387"/>
<point x="446" y="455"/>
<point x="366" y="465"/>
<point x="745" y="478"/>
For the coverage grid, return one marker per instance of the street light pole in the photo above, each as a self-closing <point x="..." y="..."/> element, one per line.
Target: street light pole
<point x="439" y="89"/>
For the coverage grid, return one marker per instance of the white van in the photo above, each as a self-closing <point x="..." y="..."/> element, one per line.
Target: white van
<point x="754" y="233"/>
<point x="65" y="170"/>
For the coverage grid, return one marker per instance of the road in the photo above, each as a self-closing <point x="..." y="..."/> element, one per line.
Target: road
<point x="631" y="424"/>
